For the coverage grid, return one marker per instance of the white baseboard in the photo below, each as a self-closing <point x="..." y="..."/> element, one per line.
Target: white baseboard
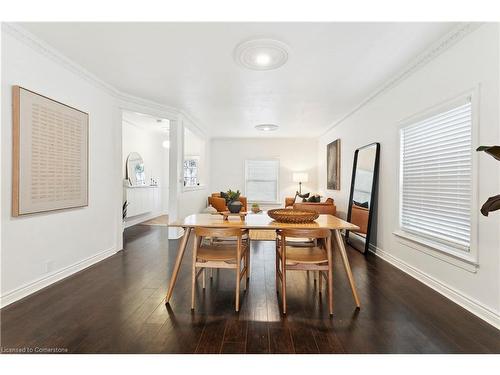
<point x="134" y="220"/>
<point x="45" y="281"/>
<point x="464" y="301"/>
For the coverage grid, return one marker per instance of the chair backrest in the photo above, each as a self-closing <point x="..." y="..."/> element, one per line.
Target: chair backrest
<point x="305" y="232"/>
<point x="218" y="232"/>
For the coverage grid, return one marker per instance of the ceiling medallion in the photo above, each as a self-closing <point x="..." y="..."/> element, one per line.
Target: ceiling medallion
<point x="261" y="54"/>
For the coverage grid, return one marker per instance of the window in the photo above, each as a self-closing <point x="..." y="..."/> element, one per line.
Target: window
<point x="261" y="180"/>
<point x="190" y="172"/>
<point x="194" y="161"/>
<point x="436" y="177"/>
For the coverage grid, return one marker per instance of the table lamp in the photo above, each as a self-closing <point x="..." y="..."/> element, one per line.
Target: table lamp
<point x="300" y="177"/>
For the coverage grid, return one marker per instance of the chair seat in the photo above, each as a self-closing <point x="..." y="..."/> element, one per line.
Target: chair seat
<point x="297" y="241"/>
<point x="307" y="255"/>
<point x="221" y="253"/>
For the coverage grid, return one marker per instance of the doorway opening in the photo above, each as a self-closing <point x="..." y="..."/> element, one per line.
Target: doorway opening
<point x="145" y="169"/>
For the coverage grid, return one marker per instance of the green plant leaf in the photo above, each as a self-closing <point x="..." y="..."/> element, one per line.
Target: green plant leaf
<point x="232" y="195"/>
<point x="492" y="150"/>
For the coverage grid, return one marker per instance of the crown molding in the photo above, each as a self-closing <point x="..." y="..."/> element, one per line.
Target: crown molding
<point x="45" y="49"/>
<point x="21" y="34"/>
<point x="35" y="43"/>
<point x="433" y="51"/>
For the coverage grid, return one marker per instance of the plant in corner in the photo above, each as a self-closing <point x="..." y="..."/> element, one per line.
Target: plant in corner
<point x="493" y="203"/>
<point x="233" y="204"/>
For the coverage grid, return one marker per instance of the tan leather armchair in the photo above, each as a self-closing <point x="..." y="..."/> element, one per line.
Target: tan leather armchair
<point x="219" y="203"/>
<point x="327" y="207"/>
<point x="359" y="217"/>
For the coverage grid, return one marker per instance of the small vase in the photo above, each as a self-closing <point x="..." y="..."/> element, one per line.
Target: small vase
<point x="234" y="207"/>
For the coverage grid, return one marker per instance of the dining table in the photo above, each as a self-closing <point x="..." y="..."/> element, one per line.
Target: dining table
<point x="262" y="221"/>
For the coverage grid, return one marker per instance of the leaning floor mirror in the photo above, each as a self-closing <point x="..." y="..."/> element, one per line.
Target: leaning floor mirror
<point x="362" y="200"/>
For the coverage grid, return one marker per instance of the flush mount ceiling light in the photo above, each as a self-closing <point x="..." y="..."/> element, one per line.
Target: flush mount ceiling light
<point x="267" y="127"/>
<point x="261" y="54"/>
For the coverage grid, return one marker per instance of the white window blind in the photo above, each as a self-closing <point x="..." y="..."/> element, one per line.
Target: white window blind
<point x="261" y="180"/>
<point x="436" y="176"/>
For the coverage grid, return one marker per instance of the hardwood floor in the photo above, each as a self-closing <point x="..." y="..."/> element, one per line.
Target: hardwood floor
<point x="116" y="306"/>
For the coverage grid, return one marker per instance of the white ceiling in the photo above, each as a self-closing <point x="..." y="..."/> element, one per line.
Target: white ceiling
<point x="332" y="67"/>
<point x="147" y="123"/>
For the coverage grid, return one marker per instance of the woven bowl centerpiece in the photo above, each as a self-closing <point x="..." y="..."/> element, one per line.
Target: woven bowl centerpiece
<point x="292" y="216"/>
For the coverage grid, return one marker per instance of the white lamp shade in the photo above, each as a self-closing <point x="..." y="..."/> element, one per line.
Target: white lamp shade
<point x="300" y="177"/>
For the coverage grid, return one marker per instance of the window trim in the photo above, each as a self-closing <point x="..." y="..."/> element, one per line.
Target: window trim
<point x="277" y="180"/>
<point x="468" y="260"/>
<point x="202" y="177"/>
<point x="188" y="158"/>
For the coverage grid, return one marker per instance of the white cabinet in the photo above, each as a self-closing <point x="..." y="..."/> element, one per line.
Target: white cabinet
<point x="142" y="199"/>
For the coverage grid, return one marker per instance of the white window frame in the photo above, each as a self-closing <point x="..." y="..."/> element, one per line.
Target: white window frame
<point x="190" y="158"/>
<point x="201" y="158"/>
<point x="468" y="260"/>
<point x="277" y="180"/>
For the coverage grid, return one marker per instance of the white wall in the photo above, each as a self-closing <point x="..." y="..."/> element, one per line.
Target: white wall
<point x="148" y="143"/>
<point x="471" y="62"/>
<point x="195" y="142"/>
<point x="40" y="248"/>
<point x="228" y="157"/>
<point x="195" y="147"/>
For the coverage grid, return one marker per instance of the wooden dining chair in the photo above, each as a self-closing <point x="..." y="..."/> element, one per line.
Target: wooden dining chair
<point x="230" y="254"/>
<point x="304" y="257"/>
<point x="245" y="236"/>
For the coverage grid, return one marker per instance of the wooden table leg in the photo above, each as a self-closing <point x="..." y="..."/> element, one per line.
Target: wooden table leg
<point x="178" y="261"/>
<point x="347" y="266"/>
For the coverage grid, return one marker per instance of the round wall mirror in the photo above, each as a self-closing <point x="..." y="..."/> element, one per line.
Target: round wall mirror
<point x="135" y="169"/>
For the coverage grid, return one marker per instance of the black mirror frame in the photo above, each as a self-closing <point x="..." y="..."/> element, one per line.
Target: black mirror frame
<point x="373" y="193"/>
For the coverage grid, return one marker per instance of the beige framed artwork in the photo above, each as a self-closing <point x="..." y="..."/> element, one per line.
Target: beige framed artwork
<point x="50" y="154"/>
<point x="333" y="165"/>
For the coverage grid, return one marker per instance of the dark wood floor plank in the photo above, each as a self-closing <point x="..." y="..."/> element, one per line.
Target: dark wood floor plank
<point x="181" y="333"/>
<point x="257" y="338"/>
<point x="236" y="330"/>
<point x="212" y="337"/>
<point x="116" y="306"/>
<point x="280" y="338"/>
<point x="303" y="339"/>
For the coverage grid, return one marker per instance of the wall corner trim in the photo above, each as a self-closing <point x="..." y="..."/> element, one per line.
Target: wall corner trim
<point x="471" y="305"/>
<point x="50" y="52"/>
<point x="429" y="54"/>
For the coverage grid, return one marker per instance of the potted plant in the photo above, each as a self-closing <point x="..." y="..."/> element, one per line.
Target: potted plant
<point x="255" y="208"/>
<point x="232" y="202"/>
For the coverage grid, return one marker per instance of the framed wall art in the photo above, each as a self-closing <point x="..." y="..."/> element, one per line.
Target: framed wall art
<point x="50" y="154"/>
<point x="333" y="165"/>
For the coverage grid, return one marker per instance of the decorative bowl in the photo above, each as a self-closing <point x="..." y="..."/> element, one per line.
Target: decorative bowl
<point x="292" y="216"/>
